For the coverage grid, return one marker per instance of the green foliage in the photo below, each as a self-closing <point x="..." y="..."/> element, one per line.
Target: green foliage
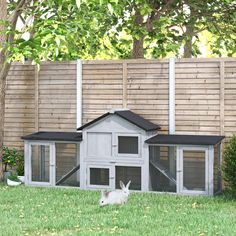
<point x="60" y="31"/>
<point x="229" y="167"/>
<point x="20" y="165"/>
<point x="14" y="178"/>
<point x="10" y="157"/>
<point x="105" y="29"/>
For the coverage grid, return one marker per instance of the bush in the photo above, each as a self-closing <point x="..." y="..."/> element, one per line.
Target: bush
<point x="11" y="158"/>
<point x="20" y="164"/>
<point x="14" y="178"/>
<point x="229" y="166"/>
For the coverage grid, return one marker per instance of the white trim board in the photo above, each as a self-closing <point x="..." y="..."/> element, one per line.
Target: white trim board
<point x="79" y="93"/>
<point x="172" y="95"/>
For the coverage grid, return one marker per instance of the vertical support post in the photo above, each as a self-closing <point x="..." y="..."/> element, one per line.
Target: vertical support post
<point x="210" y="171"/>
<point x="36" y="99"/>
<point x="124" y="102"/>
<point x="30" y="166"/>
<point x="52" y="161"/>
<point x="222" y="96"/>
<point x="79" y="93"/>
<point x="172" y="96"/>
<point x="78" y="161"/>
<point x="171" y="150"/>
<point x="83" y="164"/>
<point x="27" y="165"/>
<point x="145" y="169"/>
<point x="222" y="116"/>
<point x="150" y="157"/>
<point x="219" y="177"/>
<point x="179" y="169"/>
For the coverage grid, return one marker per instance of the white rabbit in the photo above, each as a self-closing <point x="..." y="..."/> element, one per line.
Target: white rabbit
<point x="115" y="197"/>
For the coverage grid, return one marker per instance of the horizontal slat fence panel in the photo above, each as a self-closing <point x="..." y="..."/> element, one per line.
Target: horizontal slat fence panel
<point x="19" y="104"/>
<point x="230" y="98"/>
<point x="149" y="81"/>
<point x="197" y="97"/>
<point x="39" y="100"/>
<point x="57" y="97"/>
<point x="102" y="88"/>
<point x="46" y="99"/>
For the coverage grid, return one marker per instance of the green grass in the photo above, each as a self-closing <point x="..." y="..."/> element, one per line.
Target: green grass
<point x="60" y="211"/>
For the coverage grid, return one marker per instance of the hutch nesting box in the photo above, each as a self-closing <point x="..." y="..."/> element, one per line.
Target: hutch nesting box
<point x="114" y="149"/>
<point x="121" y="145"/>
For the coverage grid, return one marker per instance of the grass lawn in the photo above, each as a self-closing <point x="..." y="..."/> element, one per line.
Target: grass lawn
<point x="58" y="211"/>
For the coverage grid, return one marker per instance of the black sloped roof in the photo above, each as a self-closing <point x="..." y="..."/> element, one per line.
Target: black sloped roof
<point x="55" y="136"/>
<point x="130" y="117"/>
<point x="185" y="139"/>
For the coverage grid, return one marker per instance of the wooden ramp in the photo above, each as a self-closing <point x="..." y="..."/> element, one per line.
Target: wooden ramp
<point x="163" y="170"/>
<point x="66" y="176"/>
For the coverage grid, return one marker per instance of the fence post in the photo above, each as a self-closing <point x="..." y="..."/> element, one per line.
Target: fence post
<point x="79" y="93"/>
<point x="36" y="98"/>
<point x="222" y="96"/>
<point x="172" y="95"/>
<point x="171" y="150"/>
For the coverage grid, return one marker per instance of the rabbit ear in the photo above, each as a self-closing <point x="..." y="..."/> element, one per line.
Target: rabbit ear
<point x="104" y="193"/>
<point x="127" y="186"/>
<point x="122" y="184"/>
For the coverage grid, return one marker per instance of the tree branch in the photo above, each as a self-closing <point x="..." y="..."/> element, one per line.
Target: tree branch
<point x="16" y="13"/>
<point x="13" y="20"/>
<point x="32" y="16"/>
<point x="157" y="13"/>
<point x="10" y="37"/>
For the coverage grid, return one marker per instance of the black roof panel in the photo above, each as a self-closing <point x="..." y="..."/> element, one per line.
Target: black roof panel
<point x="137" y="120"/>
<point x="93" y="121"/>
<point x="185" y="139"/>
<point x="130" y="117"/>
<point x="54" y="136"/>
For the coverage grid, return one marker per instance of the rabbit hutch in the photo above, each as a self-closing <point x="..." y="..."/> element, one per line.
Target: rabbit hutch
<point x="121" y="145"/>
<point x="52" y="158"/>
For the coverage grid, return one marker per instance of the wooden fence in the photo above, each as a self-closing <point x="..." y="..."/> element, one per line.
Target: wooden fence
<point x="45" y="100"/>
<point x="42" y="100"/>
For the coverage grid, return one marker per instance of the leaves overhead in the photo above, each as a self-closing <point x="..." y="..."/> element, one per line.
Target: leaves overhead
<point x="59" y="30"/>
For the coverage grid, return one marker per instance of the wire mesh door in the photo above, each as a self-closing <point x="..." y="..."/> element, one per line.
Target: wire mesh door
<point x="193" y="170"/>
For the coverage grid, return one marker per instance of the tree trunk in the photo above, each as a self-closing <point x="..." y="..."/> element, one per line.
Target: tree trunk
<point x="4" y="68"/>
<point x="4" y="65"/>
<point x="137" y="51"/>
<point x="188" y="46"/>
<point x="3" y="16"/>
